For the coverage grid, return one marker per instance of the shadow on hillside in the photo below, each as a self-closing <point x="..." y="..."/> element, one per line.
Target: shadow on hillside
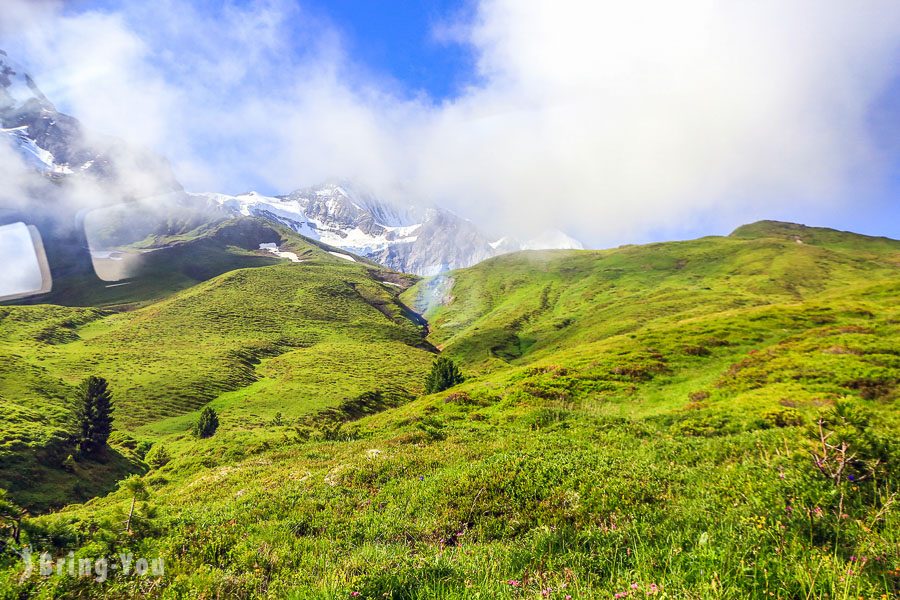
<point x="38" y="481"/>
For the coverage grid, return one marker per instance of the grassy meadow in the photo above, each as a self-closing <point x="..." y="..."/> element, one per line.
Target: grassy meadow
<point x="642" y="422"/>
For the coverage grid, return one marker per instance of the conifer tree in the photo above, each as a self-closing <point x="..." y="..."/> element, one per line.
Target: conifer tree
<point x="444" y="375"/>
<point x="93" y="414"/>
<point x="207" y="423"/>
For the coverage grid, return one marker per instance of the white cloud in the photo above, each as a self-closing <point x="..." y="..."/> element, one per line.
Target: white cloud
<point x="610" y="120"/>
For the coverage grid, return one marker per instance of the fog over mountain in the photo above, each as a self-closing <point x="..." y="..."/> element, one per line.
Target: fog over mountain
<point x="409" y="238"/>
<point x="56" y="145"/>
<point x="614" y="122"/>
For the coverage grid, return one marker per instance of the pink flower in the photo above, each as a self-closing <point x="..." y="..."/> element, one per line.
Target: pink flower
<point x="546" y="593"/>
<point x="568" y="596"/>
<point x="654" y="589"/>
<point x="354" y="594"/>
<point x="513" y="582"/>
<point x="634" y="586"/>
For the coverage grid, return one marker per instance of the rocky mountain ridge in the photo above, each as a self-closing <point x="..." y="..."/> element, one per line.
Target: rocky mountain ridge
<point x="407" y="238"/>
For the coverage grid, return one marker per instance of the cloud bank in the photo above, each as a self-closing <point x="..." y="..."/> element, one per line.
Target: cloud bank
<point x="614" y="121"/>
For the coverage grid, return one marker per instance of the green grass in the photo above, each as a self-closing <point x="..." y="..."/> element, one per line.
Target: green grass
<point x="641" y="416"/>
<point x="517" y="307"/>
<point x="256" y="341"/>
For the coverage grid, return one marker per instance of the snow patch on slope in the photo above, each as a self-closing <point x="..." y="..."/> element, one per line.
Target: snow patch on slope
<point x="344" y="256"/>
<point x="292" y="213"/>
<point x="273" y="248"/>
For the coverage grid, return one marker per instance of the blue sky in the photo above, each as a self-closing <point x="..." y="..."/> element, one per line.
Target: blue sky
<point x="398" y="39"/>
<point x="616" y="122"/>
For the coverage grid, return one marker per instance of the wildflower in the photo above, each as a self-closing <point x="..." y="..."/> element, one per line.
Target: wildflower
<point x="634" y="586"/>
<point x="781" y="476"/>
<point x="514" y="583"/>
<point x="851" y="477"/>
<point x="817" y="511"/>
<point x="546" y="592"/>
<point x="654" y="589"/>
<point x="568" y="596"/>
<point x="354" y="594"/>
<point x="421" y="478"/>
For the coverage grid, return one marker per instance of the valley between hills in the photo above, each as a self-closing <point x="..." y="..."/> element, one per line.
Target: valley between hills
<point x="663" y="420"/>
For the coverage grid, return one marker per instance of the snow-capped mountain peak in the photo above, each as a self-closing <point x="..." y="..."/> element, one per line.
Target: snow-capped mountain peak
<point x="412" y="239"/>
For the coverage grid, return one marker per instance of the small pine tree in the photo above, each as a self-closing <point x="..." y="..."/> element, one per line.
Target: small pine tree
<point x="207" y="423"/>
<point x="444" y="375"/>
<point x="157" y="457"/>
<point x="93" y="414"/>
<point x="135" y="486"/>
<point x="69" y="464"/>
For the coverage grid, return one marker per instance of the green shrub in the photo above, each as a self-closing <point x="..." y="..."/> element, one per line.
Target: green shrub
<point x="207" y="423"/>
<point x="704" y="425"/>
<point x="69" y="464"/>
<point x="433" y="428"/>
<point x="157" y="457"/>
<point x="869" y="453"/>
<point x="783" y="417"/>
<point x="444" y="375"/>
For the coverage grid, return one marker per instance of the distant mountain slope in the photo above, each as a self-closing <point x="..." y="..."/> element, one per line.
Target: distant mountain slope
<point x="172" y="265"/>
<point x="531" y="303"/>
<point x="410" y="239"/>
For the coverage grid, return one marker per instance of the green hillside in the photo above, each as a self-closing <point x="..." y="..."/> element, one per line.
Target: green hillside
<point x="177" y="263"/>
<point x="517" y="307"/>
<point x="256" y="341"/>
<point x="639" y="421"/>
